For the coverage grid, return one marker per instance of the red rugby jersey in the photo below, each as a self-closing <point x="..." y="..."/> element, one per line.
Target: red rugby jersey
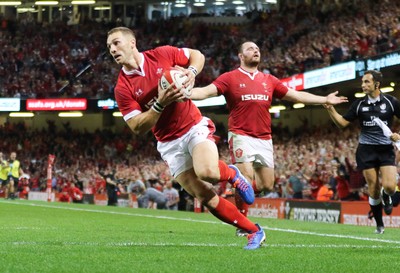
<point x="249" y="97"/>
<point x="137" y="90"/>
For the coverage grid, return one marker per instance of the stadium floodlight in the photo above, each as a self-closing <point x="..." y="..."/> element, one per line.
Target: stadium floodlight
<point x="83" y="2"/>
<point x="70" y="114"/>
<point x="298" y="105"/>
<point x="359" y="95"/>
<point x="10" y="3"/>
<point x="46" y="3"/>
<point x="117" y="114"/>
<point x="199" y="3"/>
<point x="387" y="89"/>
<point x="23" y="10"/>
<point x="102" y="8"/>
<point x="21" y="114"/>
<point x="277" y="108"/>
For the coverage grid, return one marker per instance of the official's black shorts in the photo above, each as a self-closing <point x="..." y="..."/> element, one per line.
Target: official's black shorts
<point x="6" y="182"/>
<point x="372" y="156"/>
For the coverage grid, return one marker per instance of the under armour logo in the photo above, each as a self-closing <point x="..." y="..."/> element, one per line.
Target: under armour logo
<point x="139" y="92"/>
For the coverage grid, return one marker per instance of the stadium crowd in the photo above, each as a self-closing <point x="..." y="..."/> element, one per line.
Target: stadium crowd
<point x="305" y="161"/>
<point x="39" y="59"/>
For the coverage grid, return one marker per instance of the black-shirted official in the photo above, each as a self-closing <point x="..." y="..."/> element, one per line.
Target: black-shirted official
<point x="111" y="186"/>
<point x="375" y="153"/>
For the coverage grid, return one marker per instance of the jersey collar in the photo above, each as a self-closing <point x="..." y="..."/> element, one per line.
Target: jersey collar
<point x="378" y="99"/>
<point x="251" y="75"/>
<point x="139" y="71"/>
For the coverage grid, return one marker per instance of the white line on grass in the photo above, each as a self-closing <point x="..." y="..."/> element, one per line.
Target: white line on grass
<point x="139" y="244"/>
<point x="46" y="205"/>
<point x="112" y="212"/>
<point x="334" y="235"/>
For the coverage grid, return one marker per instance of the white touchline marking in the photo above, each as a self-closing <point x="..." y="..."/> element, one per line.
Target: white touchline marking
<point x="208" y="221"/>
<point x="335" y="235"/>
<point x="115" y="212"/>
<point x="145" y="244"/>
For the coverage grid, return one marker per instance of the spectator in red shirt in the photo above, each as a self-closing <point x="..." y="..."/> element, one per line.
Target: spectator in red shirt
<point x="315" y="184"/>
<point x="342" y="187"/>
<point x="75" y="193"/>
<point x="64" y="197"/>
<point x="24" y="186"/>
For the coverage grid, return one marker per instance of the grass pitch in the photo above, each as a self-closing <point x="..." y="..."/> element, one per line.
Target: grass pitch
<point x="57" y="237"/>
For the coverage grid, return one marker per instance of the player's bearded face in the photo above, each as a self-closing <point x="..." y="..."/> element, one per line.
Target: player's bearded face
<point x="251" y="60"/>
<point x="251" y="55"/>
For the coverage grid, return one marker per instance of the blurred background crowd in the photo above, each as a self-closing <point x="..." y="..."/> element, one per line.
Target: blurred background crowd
<point x="306" y="161"/>
<point x="36" y="60"/>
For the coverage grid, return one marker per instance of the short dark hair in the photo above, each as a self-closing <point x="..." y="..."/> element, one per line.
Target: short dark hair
<point x="124" y="30"/>
<point x="376" y="75"/>
<point x="240" y="47"/>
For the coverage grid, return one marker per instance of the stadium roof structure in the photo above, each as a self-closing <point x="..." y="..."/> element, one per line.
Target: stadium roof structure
<point x="196" y="5"/>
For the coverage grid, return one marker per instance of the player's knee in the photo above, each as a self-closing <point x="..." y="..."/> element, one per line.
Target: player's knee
<point x="264" y="185"/>
<point x="208" y="174"/>
<point x="267" y="187"/>
<point x="210" y="201"/>
<point x="205" y="197"/>
<point x="390" y="189"/>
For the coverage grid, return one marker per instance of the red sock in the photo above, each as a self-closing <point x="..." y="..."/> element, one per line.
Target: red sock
<point x="241" y="205"/>
<point x="228" y="213"/>
<point x="226" y="173"/>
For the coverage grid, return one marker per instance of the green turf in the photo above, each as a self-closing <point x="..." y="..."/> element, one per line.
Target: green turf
<point x="57" y="237"/>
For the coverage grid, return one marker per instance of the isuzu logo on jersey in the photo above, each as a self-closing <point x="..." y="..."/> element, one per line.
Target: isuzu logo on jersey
<point x="255" y="97"/>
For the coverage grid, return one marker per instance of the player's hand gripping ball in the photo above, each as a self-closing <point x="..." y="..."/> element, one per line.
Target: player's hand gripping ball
<point x="176" y="76"/>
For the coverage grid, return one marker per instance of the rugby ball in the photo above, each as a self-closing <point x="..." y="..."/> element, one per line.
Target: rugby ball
<point x="176" y="76"/>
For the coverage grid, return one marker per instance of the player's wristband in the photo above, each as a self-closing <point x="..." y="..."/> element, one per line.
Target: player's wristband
<point x="157" y="107"/>
<point x="193" y="69"/>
